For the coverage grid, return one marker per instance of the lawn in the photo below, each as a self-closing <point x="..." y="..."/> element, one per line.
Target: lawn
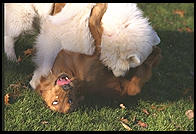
<point x="161" y="106"/>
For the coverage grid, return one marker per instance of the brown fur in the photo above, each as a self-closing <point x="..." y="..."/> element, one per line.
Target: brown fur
<point x="57" y="7"/>
<point x="95" y="25"/>
<point x="90" y="77"/>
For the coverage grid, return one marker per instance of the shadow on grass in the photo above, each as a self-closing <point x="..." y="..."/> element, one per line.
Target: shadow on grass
<point x="172" y="79"/>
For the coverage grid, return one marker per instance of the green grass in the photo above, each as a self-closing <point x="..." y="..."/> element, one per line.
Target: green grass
<point x="162" y="96"/>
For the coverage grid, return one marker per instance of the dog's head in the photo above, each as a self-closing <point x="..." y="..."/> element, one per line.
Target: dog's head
<point x="61" y="88"/>
<point x="60" y="92"/>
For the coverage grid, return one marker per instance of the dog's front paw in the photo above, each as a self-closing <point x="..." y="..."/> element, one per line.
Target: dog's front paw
<point x="32" y="84"/>
<point x="9" y="48"/>
<point x="11" y="57"/>
<point x="10" y="54"/>
<point x="35" y="80"/>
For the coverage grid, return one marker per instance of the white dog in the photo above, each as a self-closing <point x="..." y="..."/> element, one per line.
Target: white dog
<point x="127" y="38"/>
<point x="19" y="17"/>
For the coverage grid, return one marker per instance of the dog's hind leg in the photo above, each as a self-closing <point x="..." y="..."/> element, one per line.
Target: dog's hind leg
<point x="47" y="49"/>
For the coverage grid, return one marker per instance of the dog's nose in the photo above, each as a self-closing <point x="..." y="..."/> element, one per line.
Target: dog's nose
<point x="67" y="87"/>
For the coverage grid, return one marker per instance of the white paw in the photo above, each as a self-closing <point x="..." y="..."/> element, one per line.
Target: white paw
<point x="11" y="56"/>
<point x="35" y="80"/>
<point x="9" y="48"/>
<point x="32" y="83"/>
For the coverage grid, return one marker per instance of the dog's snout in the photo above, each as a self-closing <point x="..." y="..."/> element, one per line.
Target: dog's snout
<point x="67" y="87"/>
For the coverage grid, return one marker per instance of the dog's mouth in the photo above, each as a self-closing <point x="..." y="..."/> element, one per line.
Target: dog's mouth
<point x="65" y="101"/>
<point x="64" y="81"/>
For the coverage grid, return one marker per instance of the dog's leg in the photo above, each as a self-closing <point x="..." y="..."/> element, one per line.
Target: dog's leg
<point x="47" y="49"/>
<point x="142" y="73"/>
<point x="9" y="48"/>
<point x="95" y="23"/>
<point x="35" y="79"/>
<point x="42" y="70"/>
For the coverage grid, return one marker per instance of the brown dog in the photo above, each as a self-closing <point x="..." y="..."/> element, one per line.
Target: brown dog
<point x="75" y="75"/>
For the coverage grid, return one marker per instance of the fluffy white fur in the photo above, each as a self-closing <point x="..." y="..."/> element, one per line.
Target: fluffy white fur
<point x="19" y="18"/>
<point x="127" y="38"/>
<point x="67" y="30"/>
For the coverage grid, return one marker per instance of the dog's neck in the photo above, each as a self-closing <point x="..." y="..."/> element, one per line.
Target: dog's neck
<point x="77" y="65"/>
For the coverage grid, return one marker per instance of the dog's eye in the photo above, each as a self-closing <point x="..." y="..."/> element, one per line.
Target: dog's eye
<point x="70" y="101"/>
<point x="55" y="102"/>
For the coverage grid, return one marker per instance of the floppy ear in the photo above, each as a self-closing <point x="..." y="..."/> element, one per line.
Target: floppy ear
<point x="134" y="60"/>
<point x="57" y="8"/>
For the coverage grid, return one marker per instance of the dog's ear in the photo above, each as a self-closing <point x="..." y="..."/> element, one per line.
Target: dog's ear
<point x="134" y="60"/>
<point x="57" y="8"/>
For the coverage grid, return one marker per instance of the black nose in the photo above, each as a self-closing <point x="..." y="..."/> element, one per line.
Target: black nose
<point x="67" y="87"/>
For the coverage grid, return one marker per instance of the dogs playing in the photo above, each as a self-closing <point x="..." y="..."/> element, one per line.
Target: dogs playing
<point x="117" y="39"/>
<point x="74" y="76"/>
<point x="124" y="38"/>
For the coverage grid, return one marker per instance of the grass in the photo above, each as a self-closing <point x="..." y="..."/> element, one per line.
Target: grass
<point x="166" y="97"/>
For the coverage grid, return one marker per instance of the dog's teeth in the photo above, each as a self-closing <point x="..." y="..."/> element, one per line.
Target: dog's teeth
<point x="67" y="78"/>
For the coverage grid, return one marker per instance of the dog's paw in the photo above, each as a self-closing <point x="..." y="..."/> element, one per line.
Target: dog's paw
<point x="34" y="81"/>
<point x="32" y="84"/>
<point x="11" y="57"/>
<point x="9" y="48"/>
